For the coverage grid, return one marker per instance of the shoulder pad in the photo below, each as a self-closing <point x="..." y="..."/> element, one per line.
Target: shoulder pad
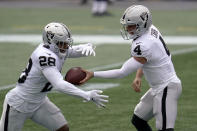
<point x="44" y="58"/>
<point x="141" y="49"/>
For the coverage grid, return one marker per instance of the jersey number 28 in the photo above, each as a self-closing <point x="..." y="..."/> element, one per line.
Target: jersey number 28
<point x="43" y="62"/>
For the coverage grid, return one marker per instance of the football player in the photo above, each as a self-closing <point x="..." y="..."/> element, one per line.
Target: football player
<point x="28" y="100"/>
<point x="99" y="8"/>
<point x="151" y="57"/>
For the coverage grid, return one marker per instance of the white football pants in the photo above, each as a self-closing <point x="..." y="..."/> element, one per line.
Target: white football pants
<point x="48" y="115"/>
<point x="162" y="106"/>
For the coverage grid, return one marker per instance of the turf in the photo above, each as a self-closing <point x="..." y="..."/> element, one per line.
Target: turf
<point x="80" y="21"/>
<point x="86" y="116"/>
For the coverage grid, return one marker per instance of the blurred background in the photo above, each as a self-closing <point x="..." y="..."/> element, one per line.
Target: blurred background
<point x="21" y="25"/>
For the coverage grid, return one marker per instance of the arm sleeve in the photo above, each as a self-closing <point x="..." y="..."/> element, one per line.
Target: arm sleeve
<point x="128" y="67"/>
<point x="56" y="79"/>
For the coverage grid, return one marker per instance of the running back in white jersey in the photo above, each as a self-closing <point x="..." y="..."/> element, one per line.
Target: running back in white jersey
<point x="32" y="85"/>
<point x="158" y="70"/>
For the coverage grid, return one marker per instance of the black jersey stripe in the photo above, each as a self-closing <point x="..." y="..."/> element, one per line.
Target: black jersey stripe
<point x="6" y="118"/>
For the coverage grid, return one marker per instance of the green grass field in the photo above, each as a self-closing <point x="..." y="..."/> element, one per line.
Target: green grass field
<point x="86" y="116"/>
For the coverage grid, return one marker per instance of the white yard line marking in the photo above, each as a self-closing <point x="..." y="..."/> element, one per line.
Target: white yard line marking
<point x="183" y="51"/>
<point x="107" y="85"/>
<point x="7" y="87"/>
<point x="96" y="39"/>
<point x="101" y="86"/>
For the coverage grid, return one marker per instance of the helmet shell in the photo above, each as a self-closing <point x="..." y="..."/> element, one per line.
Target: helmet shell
<point x="138" y="15"/>
<point x="53" y="33"/>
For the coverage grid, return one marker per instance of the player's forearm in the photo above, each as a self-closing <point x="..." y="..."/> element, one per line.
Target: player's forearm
<point x="128" y="67"/>
<point x="70" y="89"/>
<point x="56" y="79"/>
<point x="139" y="73"/>
<point x="117" y="73"/>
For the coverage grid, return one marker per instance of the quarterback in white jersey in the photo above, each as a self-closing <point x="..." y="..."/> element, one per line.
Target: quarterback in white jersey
<point x="28" y="100"/>
<point x="151" y="57"/>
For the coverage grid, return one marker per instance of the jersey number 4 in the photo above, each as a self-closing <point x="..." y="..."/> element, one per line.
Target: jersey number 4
<point x="137" y="50"/>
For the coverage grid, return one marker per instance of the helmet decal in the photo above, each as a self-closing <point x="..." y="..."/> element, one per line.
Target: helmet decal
<point x="144" y="17"/>
<point x="49" y="36"/>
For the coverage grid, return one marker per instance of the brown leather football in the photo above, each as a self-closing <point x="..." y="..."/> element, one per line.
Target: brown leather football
<point x="75" y="75"/>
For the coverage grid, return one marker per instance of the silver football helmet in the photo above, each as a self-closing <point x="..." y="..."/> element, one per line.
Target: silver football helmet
<point x="139" y="16"/>
<point x="57" y="37"/>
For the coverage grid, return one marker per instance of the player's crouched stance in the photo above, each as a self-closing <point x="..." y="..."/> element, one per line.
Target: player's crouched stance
<point x="28" y="100"/>
<point x="151" y="57"/>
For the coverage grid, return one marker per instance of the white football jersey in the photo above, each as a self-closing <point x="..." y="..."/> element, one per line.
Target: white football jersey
<point x="32" y="87"/>
<point x="159" y="69"/>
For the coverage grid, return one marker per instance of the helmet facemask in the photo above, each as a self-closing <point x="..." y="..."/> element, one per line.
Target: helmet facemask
<point x="128" y="33"/>
<point x="62" y="48"/>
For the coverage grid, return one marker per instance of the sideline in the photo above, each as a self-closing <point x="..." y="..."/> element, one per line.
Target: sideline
<point x="109" y="85"/>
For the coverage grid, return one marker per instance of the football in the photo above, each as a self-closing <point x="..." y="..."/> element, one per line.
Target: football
<point x="75" y="75"/>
